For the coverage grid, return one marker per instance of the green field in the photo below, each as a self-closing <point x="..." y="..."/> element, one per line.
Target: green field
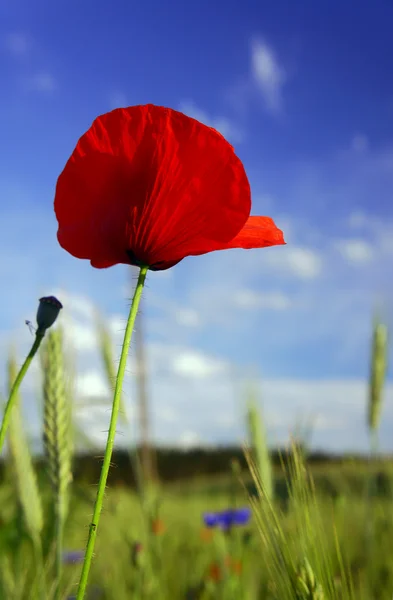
<point x="184" y="560"/>
<point x="316" y="532"/>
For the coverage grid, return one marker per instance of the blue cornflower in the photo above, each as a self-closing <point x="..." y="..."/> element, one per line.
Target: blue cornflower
<point x="227" y="518"/>
<point x="210" y="519"/>
<point x="73" y="556"/>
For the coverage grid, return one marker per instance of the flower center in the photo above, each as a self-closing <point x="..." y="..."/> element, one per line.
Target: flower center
<point x="134" y="260"/>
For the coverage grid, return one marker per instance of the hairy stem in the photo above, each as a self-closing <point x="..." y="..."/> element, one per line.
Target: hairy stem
<point x="111" y="435"/>
<point x="15" y="388"/>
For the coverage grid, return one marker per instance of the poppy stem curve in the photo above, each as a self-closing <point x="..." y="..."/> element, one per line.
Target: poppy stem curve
<point x="39" y="336"/>
<point x="111" y="435"/>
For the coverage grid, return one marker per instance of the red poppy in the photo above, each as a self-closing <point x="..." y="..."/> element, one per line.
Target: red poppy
<point x="206" y="534"/>
<point x="157" y="527"/>
<point x="233" y="565"/>
<point x="214" y="572"/>
<point x="147" y="185"/>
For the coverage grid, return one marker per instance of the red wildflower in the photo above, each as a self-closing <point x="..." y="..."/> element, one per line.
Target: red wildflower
<point x="214" y="572"/>
<point x="158" y="527"/>
<point x="206" y="534"/>
<point x="147" y="185"/>
<point x="233" y="566"/>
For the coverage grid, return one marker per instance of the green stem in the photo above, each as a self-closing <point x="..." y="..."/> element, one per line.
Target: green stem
<point x="371" y="499"/>
<point x="40" y="566"/>
<point x="15" y="388"/>
<point x="59" y="547"/>
<point x="374" y="445"/>
<point x="111" y="435"/>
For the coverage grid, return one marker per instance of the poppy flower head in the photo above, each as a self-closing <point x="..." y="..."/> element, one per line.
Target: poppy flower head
<point x="147" y="185"/>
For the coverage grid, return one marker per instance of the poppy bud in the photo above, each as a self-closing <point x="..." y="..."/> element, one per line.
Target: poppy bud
<point x="47" y="313"/>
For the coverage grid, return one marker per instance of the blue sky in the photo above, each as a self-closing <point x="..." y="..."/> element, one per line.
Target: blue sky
<point x="305" y="94"/>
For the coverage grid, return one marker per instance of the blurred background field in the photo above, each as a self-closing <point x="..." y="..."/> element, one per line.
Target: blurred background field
<point x="321" y="526"/>
<point x="304" y="93"/>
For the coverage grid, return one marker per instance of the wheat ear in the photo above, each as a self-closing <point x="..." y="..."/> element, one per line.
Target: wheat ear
<point x="57" y="436"/>
<point x="25" y="476"/>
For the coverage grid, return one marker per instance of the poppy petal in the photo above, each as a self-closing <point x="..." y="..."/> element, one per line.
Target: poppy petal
<point x="88" y="225"/>
<point x="152" y="182"/>
<point x="258" y="232"/>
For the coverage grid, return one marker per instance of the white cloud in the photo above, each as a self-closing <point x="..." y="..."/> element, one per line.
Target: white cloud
<point x="82" y="337"/>
<point x="81" y="305"/>
<point x="94" y="422"/>
<point x="182" y="315"/>
<point x="42" y="82"/>
<point x="386" y="240"/>
<point x="117" y="324"/>
<point x="194" y="400"/>
<point x="335" y="408"/>
<point x="250" y="299"/>
<point x="192" y="363"/>
<point x="117" y="99"/>
<point x="357" y="219"/>
<point x="90" y="413"/>
<point x="198" y="396"/>
<point x="17" y="44"/>
<point x="303" y="263"/>
<point x="359" y="143"/>
<point x="356" y="250"/>
<point x="168" y="414"/>
<point x="226" y="420"/>
<point x="228" y="129"/>
<point x="322" y="422"/>
<point x="188" y="440"/>
<point x="379" y="229"/>
<point x="268" y="75"/>
<point x="187" y="317"/>
<point x="92" y="383"/>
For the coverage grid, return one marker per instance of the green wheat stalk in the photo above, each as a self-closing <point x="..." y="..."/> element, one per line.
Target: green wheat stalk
<point x="378" y="370"/>
<point x="258" y="443"/>
<point x="377" y="379"/>
<point x="57" y="436"/>
<point x="25" y="476"/>
<point x="307" y="586"/>
<point x="288" y="556"/>
<point x="106" y="351"/>
<point x="8" y="583"/>
<point x="278" y="557"/>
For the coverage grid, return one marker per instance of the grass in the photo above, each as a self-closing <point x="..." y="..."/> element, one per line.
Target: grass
<point x="184" y="554"/>
<point x="316" y="533"/>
